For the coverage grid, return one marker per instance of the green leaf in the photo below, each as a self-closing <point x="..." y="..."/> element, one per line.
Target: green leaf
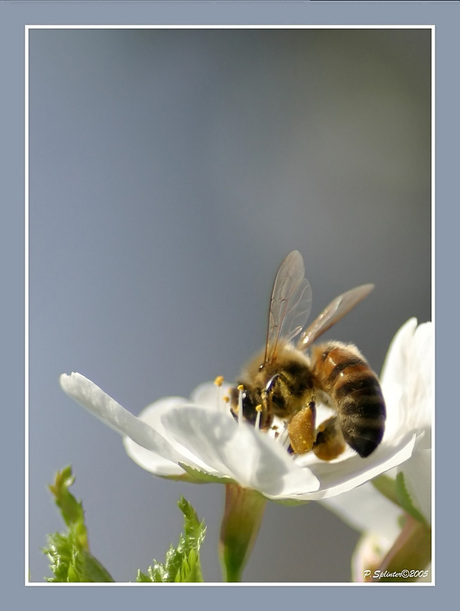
<point x="182" y="564"/>
<point x="386" y="485"/>
<point x="201" y="477"/>
<point x="395" y="489"/>
<point x="405" y="500"/>
<point x="142" y="577"/>
<point x="69" y="555"/>
<point x="71" y="510"/>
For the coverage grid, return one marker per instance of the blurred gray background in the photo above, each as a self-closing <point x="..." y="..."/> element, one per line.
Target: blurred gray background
<point x="170" y="173"/>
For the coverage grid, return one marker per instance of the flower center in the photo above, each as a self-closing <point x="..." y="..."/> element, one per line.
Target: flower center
<point x="277" y="431"/>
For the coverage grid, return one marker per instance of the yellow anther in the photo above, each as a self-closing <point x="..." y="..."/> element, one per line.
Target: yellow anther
<point x="240" y="387"/>
<point x="226" y="399"/>
<point x="258" y="408"/>
<point x="219" y="380"/>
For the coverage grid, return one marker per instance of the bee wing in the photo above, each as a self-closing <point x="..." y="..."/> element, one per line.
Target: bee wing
<point x="336" y="310"/>
<point x="290" y="303"/>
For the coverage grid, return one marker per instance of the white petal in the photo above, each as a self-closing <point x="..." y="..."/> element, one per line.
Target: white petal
<point x="210" y="395"/>
<point x="394" y="369"/>
<point x="101" y="405"/>
<point x="367" y="510"/>
<point x="407" y="380"/>
<point x="394" y="376"/>
<point x="336" y="478"/>
<point x="150" y="461"/>
<point x="422" y="391"/>
<point x="238" y="451"/>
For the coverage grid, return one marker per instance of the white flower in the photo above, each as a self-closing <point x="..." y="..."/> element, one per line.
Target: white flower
<point x="407" y="381"/>
<point x="200" y="434"/>
<point x="407" y="384"/>
<point x="175" y="437"/>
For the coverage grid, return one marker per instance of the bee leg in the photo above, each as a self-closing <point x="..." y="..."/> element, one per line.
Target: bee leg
<point x="301" y="429"/>
<point x="329" y="440"/>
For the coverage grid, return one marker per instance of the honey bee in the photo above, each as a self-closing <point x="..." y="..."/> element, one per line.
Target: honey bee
<point x="287" y="380"/>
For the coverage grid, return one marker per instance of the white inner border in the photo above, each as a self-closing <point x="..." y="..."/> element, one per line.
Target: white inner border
<point x="28" y="28"/>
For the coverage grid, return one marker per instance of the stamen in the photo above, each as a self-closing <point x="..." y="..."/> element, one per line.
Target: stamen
<point x="283" y="438"/>
<point x="218" y="381"/>
<point x="240" y="403"/>
<point x="259" y="412"/>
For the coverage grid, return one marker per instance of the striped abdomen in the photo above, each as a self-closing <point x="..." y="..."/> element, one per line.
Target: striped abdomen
<point x="343" y="373"/>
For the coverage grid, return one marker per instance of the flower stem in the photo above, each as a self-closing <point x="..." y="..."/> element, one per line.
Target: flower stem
<point x="241" y="521"/>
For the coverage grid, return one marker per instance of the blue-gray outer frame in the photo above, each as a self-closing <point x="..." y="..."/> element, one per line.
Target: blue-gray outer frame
<point x="13" y="18"/>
